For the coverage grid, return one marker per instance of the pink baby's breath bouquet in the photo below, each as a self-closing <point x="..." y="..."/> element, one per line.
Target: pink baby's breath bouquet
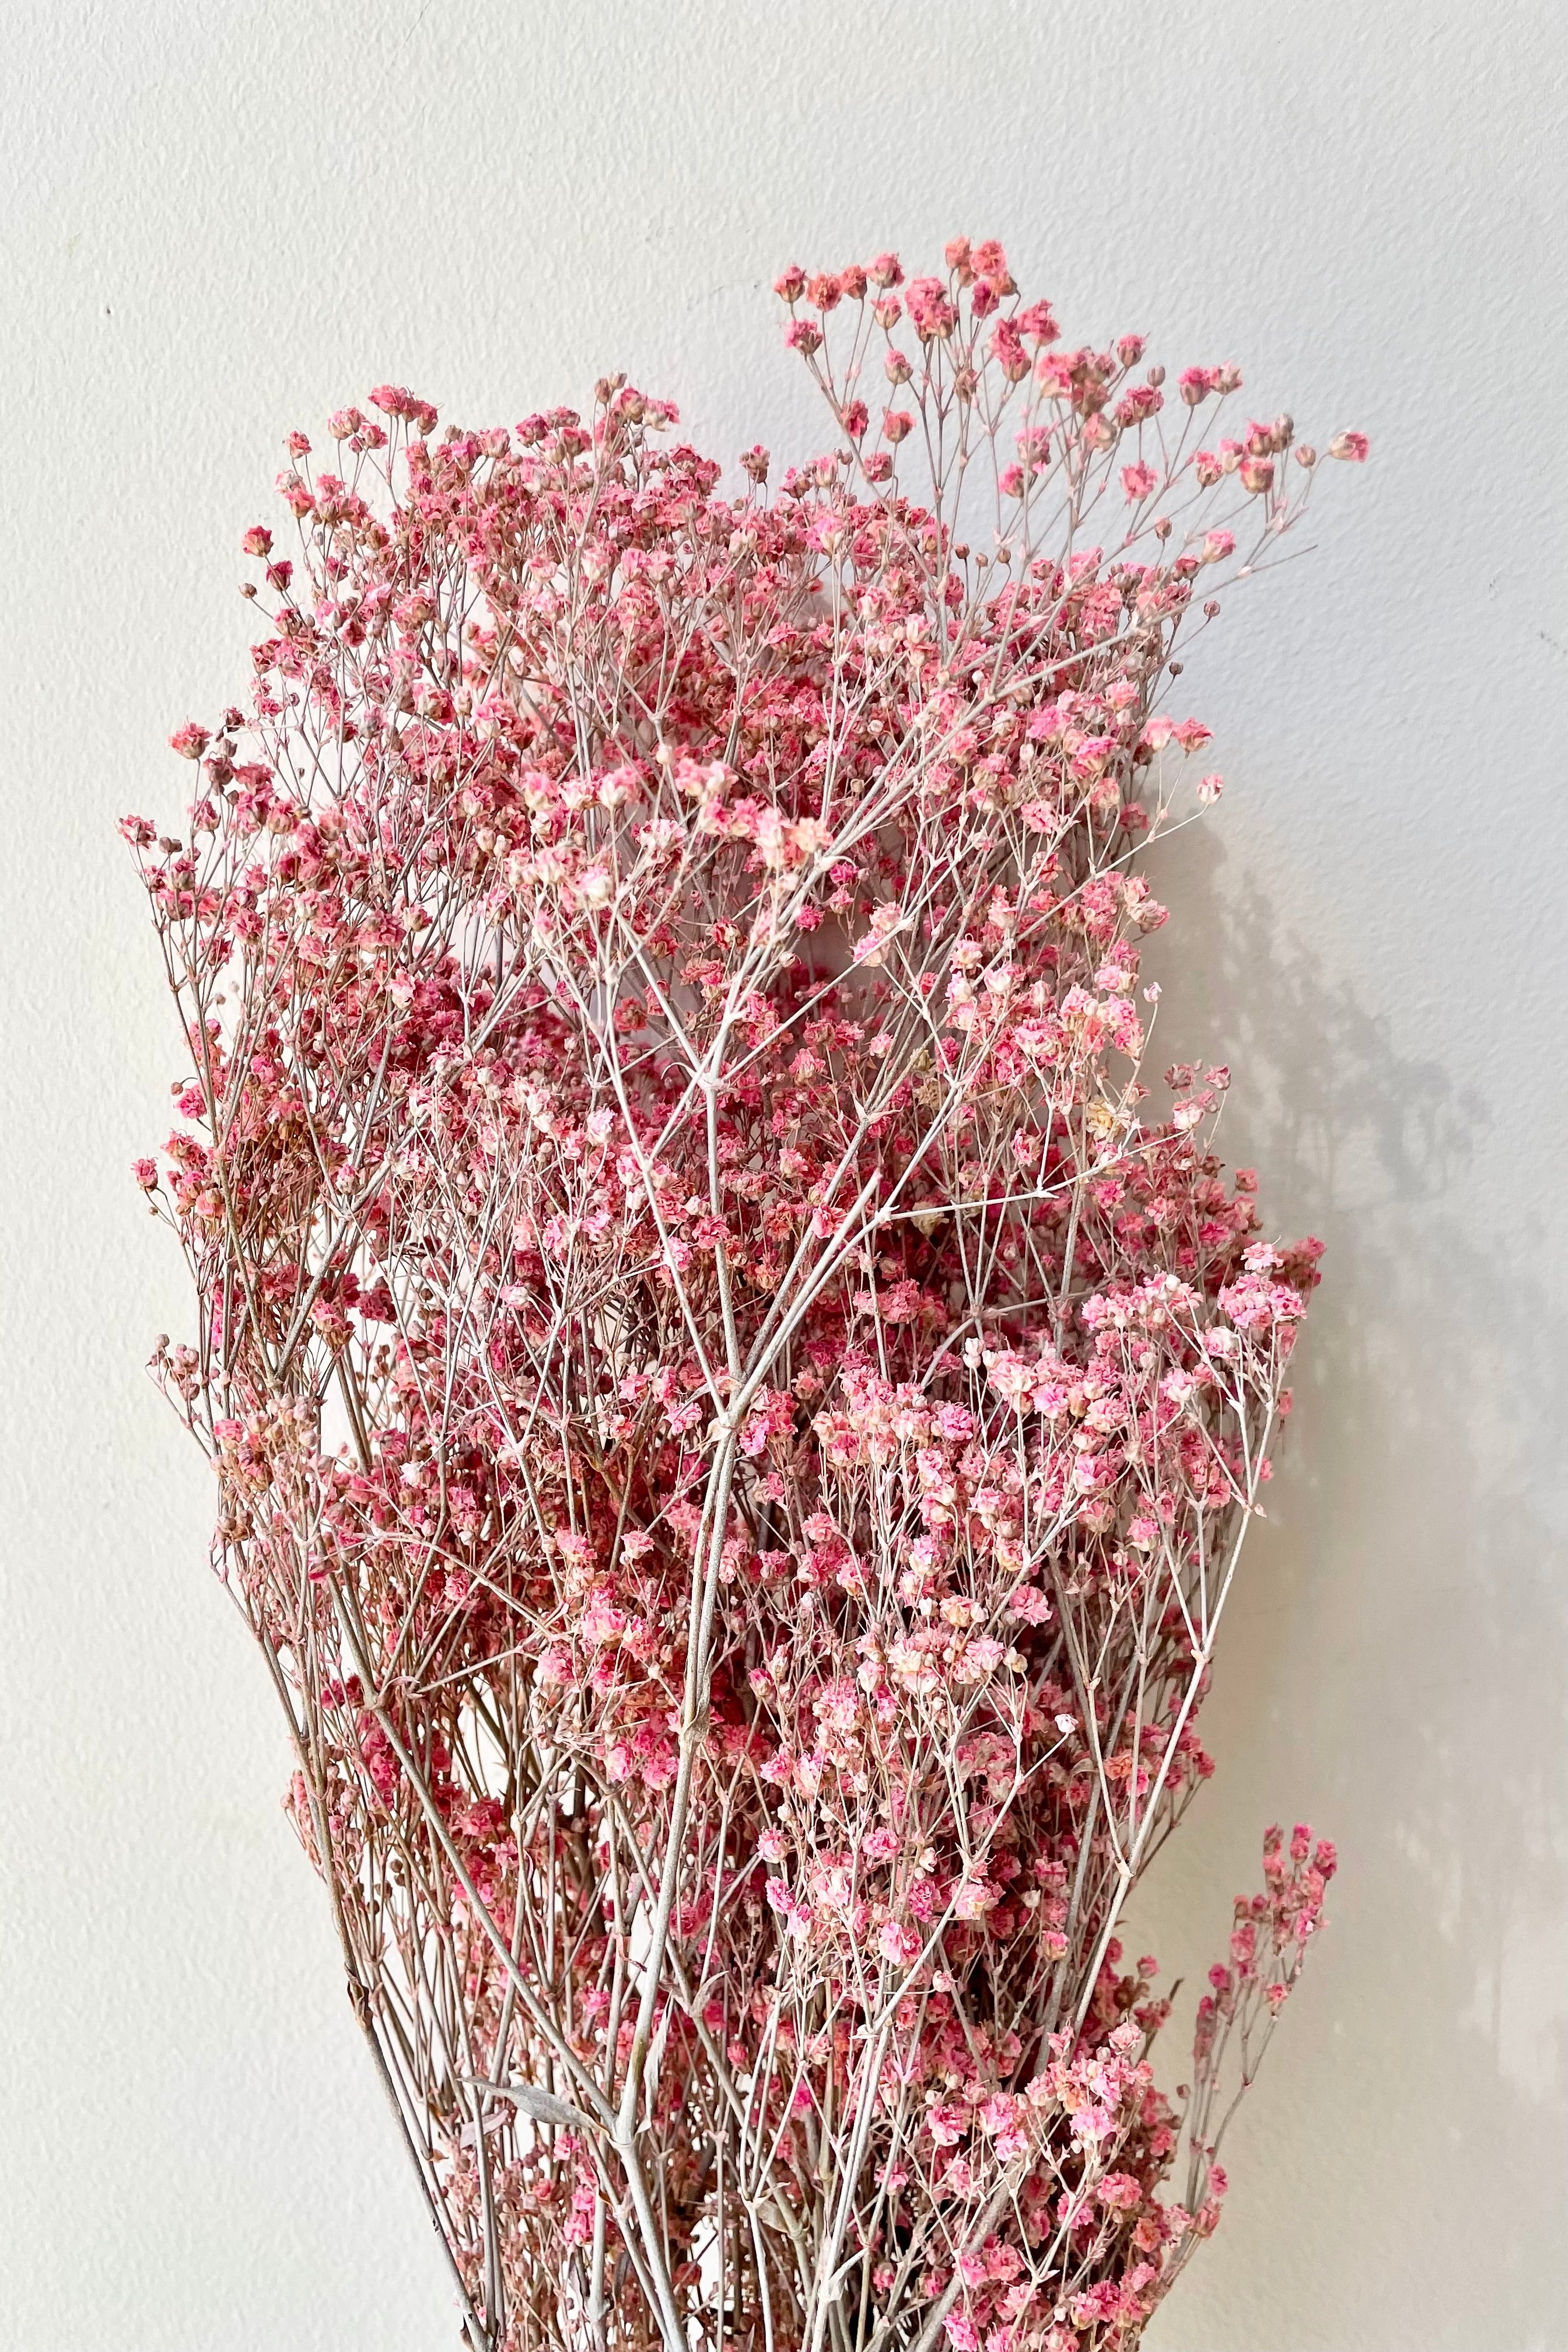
<point x="735" y="1420"/>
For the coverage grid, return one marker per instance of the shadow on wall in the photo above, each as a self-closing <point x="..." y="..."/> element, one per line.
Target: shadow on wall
<point x="1396" y="1667"/>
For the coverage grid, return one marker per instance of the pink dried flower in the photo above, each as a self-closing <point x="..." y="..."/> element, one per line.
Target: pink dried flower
<point x="734" y="1413"/>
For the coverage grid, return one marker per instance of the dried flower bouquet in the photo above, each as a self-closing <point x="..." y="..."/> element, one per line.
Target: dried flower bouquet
<point x="735" y="1420"/>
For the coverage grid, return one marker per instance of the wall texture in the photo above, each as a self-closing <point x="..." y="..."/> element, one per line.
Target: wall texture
<point x="221" y="220"/>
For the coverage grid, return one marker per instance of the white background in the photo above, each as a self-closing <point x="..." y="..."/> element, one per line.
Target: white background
<point x="219" y="221"/>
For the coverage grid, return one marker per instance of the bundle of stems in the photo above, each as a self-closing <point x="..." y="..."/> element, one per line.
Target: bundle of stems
<point x="735" y="1418"/>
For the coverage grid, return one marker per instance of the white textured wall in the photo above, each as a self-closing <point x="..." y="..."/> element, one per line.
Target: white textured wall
<point x="220" y="220"/>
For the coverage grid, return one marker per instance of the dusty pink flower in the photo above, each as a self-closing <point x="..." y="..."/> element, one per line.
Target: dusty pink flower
<point x="733" y="1412"/>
